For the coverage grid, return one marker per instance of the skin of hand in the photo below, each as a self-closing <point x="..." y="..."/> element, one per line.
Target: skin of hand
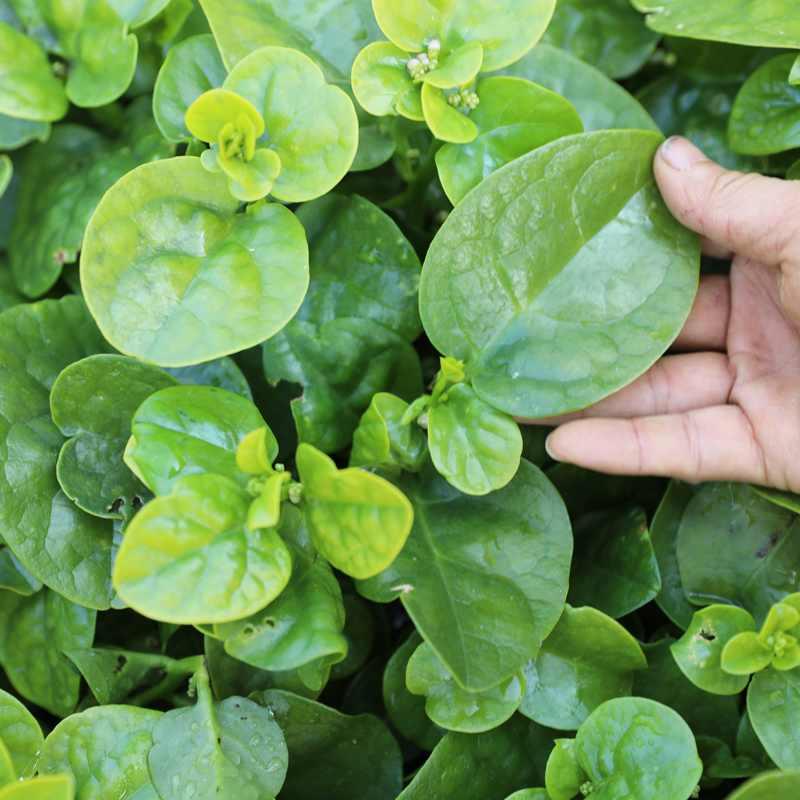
<point x="725" y="403"/>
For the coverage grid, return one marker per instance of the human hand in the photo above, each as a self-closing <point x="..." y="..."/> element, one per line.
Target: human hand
<point x="728" y="408"/>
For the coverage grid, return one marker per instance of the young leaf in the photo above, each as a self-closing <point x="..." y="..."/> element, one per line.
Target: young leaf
<point x="587" y="659"/>
<point x="357" y="520"/>
<point x="104" y="750"/>
<point x="233" y="279"/>
<point x="35" y="632"/>
<point x="444" y="121"/>
<point x="454" y="708"/>
<point x="21" y="736"/>
<point x="190" y="430"/>
<point x="476" y="447"/>
<point x="189" y="557"/>
<point x="313" y="132"/>
<point x="333" y="755"/>
<point x="513" y="118"/>
<point x="699" y="651"/>
<point x="457" y="68"/>
<point x="52" y="787"/>
<point x="773" y="705"/>
<point x="382" y="83"/>
<point x="60" y="544"/>
<point x="483" y="578"/>
<point x="232" y="750"/>
<point x="564" y="776"/>
<point x="484" y="314"/>
<point x="765" y="117"/>
<point x="768" y="786"/>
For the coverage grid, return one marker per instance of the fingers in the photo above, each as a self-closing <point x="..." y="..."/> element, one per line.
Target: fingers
<point x="708" y="444"/>
<point x="752" y="215"/>
<point x="712" y="249"/>
<point x="672" y="385"/>
<point x="707" y="325"/>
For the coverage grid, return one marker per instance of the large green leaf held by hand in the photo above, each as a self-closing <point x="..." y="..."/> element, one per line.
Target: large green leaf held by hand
<point x="105" y="750"/>
<point x="202" y="282"/>
<point x="61" y="545"/>
<point x="513" y="118"/>
<point x="189" y="557"/>
<point x="766" y="115"/>
<point x="765" y="23"/>
<point x="629" y="747"/>
<point x="189" y="430"/>
<point x="27" y="86"/>
<point x="94" y="401"/>
<point x="483" y="578"/>
<point x="550" y="319"/>
<point x="62" y="183"/>
<point x="232" y="750"/>
<point x="357" y="520"/>
<point x="314" y="132"/>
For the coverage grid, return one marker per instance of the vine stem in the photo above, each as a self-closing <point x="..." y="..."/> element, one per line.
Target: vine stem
<point x="412" y="200"/>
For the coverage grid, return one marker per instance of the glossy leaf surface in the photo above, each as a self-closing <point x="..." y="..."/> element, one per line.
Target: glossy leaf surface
<point x="513" y="118"/>
<point x="587" y="659"/>
<point x="768" y="786"/>
<point x="105" y="750"/>
<point x="483" y="578"/>
<point x="189" y="556"/>
<point x="160" y="295"/>
<point x="382" y="83"/>
<point x="454" y="708"/>
<point x="21" y="735"/>
<point x="52" y="787"/>
<point x="773" y="704"/>
<point x="332" y="754"/>
<point x="221" y="373"/>
<point x="446" y="122"/>
<point x="36" y="343"/>
<point x="484" y="315"/>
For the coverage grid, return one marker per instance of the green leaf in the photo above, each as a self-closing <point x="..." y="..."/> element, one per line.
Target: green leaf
<point x="6" y="173"/>
<point x="304" y="623"/>
<point x="15" y="133"/>
<point x="768" y="786"/>
<point x="359" y="632"/>
<point x="257" y="451"/>
<point x="747" y="559"/>
<point x="457" y="68"/>
<point x="36" y="632"/>
<point x="313" y="132"/>
<point x="9" y="296"/>
<point x="190" y="430"/>
<point x="28" y="89"/>
<point x="14" y="575"/>
<point x="743" y="655"/>
<point x="94" y="40"/>
<point x="608" y="34"/>
<point x="637" y="747"/>
<point x="361" y="265"/>
<point x="483" y="578"/>
<point x="773" y="705"/>
<point x="513" y="118"/>
<point x="104" y="750"/>
<point x="474" y="766"/>
<point x="699" y="651"/>
<point x="7" y="772"/>
<point x="381" y="439"/>
<point x="333" y="755"/>
<point x="382" y="83"/>
<point x="61" y="545"/>
<point x="564" y="776"/>
<point x="615" y="568"/>
<point x="739" y="21"/>
<point x="357" y="520"/>
<point x="765" y="117"/>
<point x="530" y="794"/>
<point x="229" y="750"/>
<point x="406" y="710"/>
<point x="341" y="365"/>
<point x="94" y="400"/>
<point x="330" y="34"/>
<point x="664" y="538"/>
<point x="191" y="67"/>
<point x="587" y="659"/>
<point x="208" y="115"/>
<point x="454" y="708"/>
<point x="233" y="280"/>
<point x="52" y="787"/>
<point x="21" y="735"/>
<point x="62" y="183"/>
<point x="188" y="557"/>
<point x="475" y="447"/>
<point x="221" y="373"/>
<point x="601" y="103"/>
<point x="446" y="122"/>
<point x="506" y="33"/>
<point x="481" y="302"/>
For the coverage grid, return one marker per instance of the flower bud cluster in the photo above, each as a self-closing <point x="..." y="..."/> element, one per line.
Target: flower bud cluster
<point x="464" y="98"/>
<point x="586" y="788"/>
<point x="425" y="62"/>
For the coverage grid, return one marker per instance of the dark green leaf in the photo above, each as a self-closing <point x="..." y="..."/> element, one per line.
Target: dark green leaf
<point x="773" y="705"/>
<point x="221" y="373"/>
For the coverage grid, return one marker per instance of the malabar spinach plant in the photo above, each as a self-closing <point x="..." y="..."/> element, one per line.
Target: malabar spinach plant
<point x="278" y="280"/>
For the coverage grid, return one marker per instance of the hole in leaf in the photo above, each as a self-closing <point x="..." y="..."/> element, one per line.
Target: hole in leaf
<point x="709" y="636"/>
<point x="248" y="630"/>
<point x="765" y="550"/>
<point x="270" y="623"/>
<point x="121" y="662"/>
<point x="137" y="502"/>
<point x="115" y="505"/>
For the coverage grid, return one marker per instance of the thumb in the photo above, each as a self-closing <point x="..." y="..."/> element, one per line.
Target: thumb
<point x="751" y="215"/>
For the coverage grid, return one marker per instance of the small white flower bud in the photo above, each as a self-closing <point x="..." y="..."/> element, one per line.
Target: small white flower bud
<point x="454" y="100"/>
<point x="423" y="58"/>
<point x="433" y="64"/>
<point x="434" y="48"/>
<point x="415" y="67"/>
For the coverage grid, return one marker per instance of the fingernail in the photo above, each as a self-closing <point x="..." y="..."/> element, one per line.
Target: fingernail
<point x="547" y="448"/>
<point x="680" y="153"/>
